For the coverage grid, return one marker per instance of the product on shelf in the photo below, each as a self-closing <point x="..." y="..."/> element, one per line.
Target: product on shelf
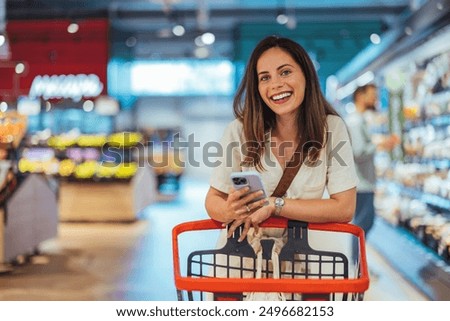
<point x="86" y="170"/>
<point x="126" y="170"/>
<point x="62" y="141"/>
<point x="13" y="127"/>
<point x="107" y="170"/>
<point x="124" y="139"/>
<point x="79" y="154"/>
<point x="91" y="140"/>
<point x="66" y="167"/>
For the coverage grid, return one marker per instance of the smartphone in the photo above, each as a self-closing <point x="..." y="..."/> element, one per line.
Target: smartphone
<point x="251" y="179"/>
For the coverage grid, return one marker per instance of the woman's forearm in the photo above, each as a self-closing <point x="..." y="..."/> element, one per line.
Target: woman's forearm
<point x="215" y="205"/>
<point x="339" y="208"/>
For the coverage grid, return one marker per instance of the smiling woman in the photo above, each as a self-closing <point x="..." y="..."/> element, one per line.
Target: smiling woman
<point x="281" y="111"/>
<point x="282" y="119"/>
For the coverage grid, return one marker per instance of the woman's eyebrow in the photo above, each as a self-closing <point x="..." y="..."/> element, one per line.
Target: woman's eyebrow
<point x="280" y="67"/>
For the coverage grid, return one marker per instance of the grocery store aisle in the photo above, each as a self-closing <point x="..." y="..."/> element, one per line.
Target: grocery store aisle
<point x="106" y="261"/>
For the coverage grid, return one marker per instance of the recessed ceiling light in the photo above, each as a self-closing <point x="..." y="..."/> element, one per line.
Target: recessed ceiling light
<point x="178" y="30"/>
<point x="375" y="38"/>
<point x="282" y="19"/>
<point x="131" y="41"/>
<point x="198" y="41"/>
<point x="73" y="27"/>
<point x="88" y="106"/>
<point x="3" y="106"/>
<point x="208" y="38"/>
<point x="20" y="68"/>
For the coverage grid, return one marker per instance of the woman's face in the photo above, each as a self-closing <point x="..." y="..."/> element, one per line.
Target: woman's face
<point x="281" y="82"/>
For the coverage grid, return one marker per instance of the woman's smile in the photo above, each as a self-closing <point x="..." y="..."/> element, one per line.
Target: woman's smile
<point x="282" y="97"/>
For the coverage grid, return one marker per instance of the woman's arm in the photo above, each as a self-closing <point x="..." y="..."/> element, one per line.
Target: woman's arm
<point x="339" y="208"/>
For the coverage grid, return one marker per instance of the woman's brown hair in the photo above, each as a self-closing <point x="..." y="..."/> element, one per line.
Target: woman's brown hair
<point x="257" y="118"/>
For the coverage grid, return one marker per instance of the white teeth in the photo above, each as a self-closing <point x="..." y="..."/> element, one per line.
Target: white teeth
<point x="281" y="96"/>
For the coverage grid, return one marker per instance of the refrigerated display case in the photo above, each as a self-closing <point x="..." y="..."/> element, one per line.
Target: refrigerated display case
<point x="417" y="182"/>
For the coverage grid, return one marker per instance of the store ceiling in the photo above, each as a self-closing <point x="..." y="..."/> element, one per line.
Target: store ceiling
<point x="143" y="29"/>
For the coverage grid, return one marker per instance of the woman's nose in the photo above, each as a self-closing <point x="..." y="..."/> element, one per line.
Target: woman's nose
<point x="277" y="82"/>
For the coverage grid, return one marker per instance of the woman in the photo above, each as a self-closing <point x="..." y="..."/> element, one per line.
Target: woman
<point x="278" y="106"/>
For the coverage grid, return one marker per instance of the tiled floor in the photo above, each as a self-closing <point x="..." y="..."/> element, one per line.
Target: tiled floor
<point x="106" y="261"/>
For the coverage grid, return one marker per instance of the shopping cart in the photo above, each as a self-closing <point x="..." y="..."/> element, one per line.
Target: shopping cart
<point x="231" y="272"/>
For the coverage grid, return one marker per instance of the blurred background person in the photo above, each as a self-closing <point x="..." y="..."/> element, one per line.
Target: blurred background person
<point x="364" y="147"/>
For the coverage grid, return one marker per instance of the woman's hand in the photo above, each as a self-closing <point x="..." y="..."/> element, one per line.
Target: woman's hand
<point x="253" y="220"/>
<point x="239" y="207"/>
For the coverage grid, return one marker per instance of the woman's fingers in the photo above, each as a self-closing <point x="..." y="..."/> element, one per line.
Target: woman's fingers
<point x="234" y="226"/>
<point x="250" y="208"/>
<point x="235" y="195"/>
<point x="247" y="225"/>
<point x="251" y="197"/>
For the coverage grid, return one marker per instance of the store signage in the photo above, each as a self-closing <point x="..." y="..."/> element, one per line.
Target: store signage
<point x="66" y="86"/>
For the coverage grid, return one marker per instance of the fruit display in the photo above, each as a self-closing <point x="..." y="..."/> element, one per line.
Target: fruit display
<point x="98" y="157"/>
<point x="49" y="167"/>
<point x="124" y="139"/>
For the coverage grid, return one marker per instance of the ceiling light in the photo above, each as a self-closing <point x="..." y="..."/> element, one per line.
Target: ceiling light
<point x="131" y="42"/>
<point x="375" y="38"/>
<point x="5" y="52"/>
<point x="88" y="106"/>
<point x="198" y="41"/>
<point x="178" y="30"/>
<point x="408" y="31"/>
<point x="3" y="106"/>
<point x="208" y="38"/>
<point x="20" y="68"/>
<point x="73" y="27"/>
<point x="282" y="19"/>
<point x="291" y="23"/>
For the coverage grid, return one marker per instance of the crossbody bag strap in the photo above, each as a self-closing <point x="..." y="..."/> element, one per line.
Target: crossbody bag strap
<point x="289" y="173"/>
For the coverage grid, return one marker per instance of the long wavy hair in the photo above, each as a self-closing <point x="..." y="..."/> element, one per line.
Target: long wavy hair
<point x="257" y="118"/>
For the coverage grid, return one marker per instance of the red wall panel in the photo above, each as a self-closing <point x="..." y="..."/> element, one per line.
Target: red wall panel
<point x="46" y="48"/>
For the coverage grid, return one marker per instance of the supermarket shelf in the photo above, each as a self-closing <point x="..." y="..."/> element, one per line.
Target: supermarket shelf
<point x="436" y="162"/>
<point x="436" y="201"/>
<point x="441" y="97"/>
<point x="436" y="121"/>
<point x="415" y="262"/>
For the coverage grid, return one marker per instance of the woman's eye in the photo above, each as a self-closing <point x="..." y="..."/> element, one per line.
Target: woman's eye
<point x="285" y="72"/>
<point x="264" y="78"/>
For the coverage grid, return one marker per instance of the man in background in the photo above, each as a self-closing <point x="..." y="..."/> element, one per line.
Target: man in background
<point x="359" y="123"/>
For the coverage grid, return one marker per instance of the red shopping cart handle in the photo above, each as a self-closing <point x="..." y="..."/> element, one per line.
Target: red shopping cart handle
<point x="273" y="222"/>
<point x="232" y="285"/>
